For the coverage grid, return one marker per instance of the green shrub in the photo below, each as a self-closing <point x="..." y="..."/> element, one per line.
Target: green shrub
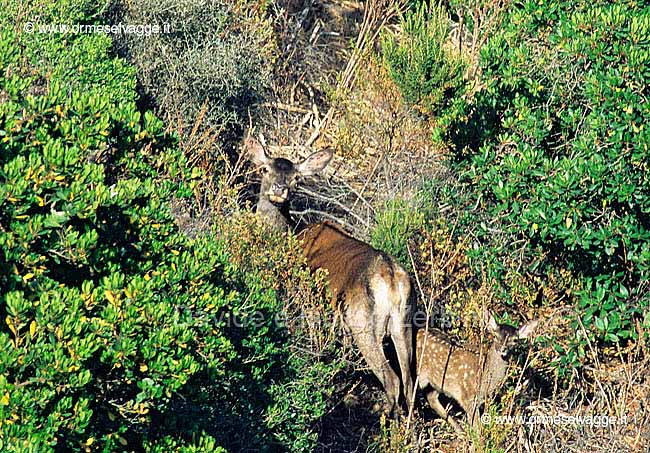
<point x="118" y="332"/>
<point x="80" y="65"/>
<point x="218" y="55"/>
<point x="553" y="151"/>
<point x="202" y="443"/>
<point x="396" y="224"/>
<point x="89" y="270"/>
<point x="427" y="73"/>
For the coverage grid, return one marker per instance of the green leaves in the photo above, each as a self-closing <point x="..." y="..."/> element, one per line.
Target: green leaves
<point x="557" y="159"/>
<point x="426" y="73"/>
<point x="110" y="314"/>
<point x="116" y="327"/>
<point x="396" y="225"/>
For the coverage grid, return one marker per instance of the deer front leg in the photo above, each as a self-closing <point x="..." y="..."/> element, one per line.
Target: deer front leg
<point x="434" y="402"/>
<point x="473" y="415"/>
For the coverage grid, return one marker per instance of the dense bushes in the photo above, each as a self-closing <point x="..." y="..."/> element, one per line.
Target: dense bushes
<point x="118" y="332"/>
<point x="217" y="55"/>
<point x="80" y="64"/>
<point x="552" y="156"/>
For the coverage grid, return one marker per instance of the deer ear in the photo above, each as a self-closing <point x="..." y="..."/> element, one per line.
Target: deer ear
<point x="490" y="322"/>
<point x="315" y="163"/>
<point x="256" y="152"/>
<point x="527" y="329"/>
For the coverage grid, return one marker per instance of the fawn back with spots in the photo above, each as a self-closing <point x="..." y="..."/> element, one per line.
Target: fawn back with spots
<point x="370" y="289"/>
<point x="466" y="376"/>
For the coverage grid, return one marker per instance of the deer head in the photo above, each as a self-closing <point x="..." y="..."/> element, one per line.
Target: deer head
<point x="279" y="177"/>
<point x="505" y="337"/>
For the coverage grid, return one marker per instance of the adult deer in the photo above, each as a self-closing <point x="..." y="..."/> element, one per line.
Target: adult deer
<point x="468" y="377"/>
<point x="370" y="289"/>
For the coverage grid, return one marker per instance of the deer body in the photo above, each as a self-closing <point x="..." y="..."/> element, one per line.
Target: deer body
<point x="370" y="290"/>
<point x="466" y="376"/>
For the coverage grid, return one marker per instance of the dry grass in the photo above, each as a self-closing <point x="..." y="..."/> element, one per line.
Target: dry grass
<point x="385" y="149"/>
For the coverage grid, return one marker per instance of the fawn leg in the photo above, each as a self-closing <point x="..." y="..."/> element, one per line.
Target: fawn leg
<point x="434" y="402"/>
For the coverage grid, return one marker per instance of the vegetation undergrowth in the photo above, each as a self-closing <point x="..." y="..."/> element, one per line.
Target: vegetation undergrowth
<point x="549" y="198"/>
<point x="118" y="331"/>
<point x="556" y="166"/>
<point x="427" y="71"/>
<point x="550" y="151"/>
<point x="211" y="61"/>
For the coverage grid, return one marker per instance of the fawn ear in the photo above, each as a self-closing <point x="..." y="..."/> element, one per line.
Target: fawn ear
<point x="315" y="163"/>
<point x="527" y="329"/>
<point x="256" y="152"/>
<point x="490" y="322"/>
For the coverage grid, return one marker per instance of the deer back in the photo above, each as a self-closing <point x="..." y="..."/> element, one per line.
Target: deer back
<point x="449" y="369"/>
<point x="350" y="263"/>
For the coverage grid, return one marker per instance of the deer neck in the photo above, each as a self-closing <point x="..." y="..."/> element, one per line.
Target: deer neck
<point x="277" y="216"/>
<point x="492" y="373"/>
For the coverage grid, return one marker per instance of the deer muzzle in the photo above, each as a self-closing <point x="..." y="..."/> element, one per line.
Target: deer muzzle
<point x="278" y="195"/>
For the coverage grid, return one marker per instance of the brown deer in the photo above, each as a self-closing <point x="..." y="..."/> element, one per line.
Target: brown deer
<point x="466" y="376"/>
<point x="370" y="289"/>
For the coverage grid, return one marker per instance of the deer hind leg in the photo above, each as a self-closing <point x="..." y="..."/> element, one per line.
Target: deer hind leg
<point x="401" y="333"/>
<point x="403" y="343"/>
<point x="368" y="335"/>
<point x="432" y="397"/>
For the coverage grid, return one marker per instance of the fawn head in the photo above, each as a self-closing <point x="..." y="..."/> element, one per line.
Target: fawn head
<point x="505" y="337"/>
<point x="280" y="175"/>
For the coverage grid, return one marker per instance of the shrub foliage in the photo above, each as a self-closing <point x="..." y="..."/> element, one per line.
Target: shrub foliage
<point x="216" y="56"/>
<point x="552" y="156"/>
<point x="420" y="62"/>
<point x="117" y="331"/>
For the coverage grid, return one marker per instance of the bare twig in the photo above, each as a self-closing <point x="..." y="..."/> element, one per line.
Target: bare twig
<point x="327" y="216"/>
